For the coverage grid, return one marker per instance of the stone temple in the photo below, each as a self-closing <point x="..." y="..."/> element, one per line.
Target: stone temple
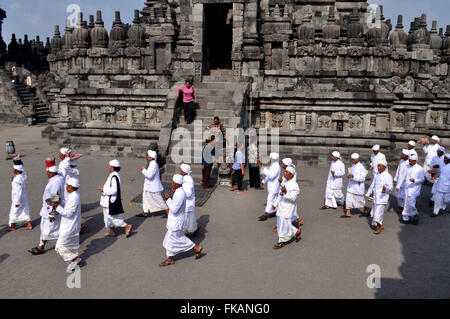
<point x="328" y="74"/>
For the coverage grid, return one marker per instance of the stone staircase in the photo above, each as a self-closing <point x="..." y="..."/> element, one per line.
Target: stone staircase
<point x="28" y="97"/>
<point x="218" y="96"/>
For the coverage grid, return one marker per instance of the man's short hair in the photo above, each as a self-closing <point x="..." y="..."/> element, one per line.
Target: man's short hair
<point x="216" y="118"/>
<point x="116" y="169"/>
<point x="213" y="137"/>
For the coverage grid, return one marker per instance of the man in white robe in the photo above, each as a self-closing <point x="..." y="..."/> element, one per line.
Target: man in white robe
<point x="442" y="188"/>
<point x="285" y="163"/>
<point x="111" y="201"/>
<point x="175" y="241"/>
<point x="356" y="186"/>
<point x="191" y="227"/>
<point x="436" y="163"/>
<point x="50" y="220"/>
<point x="375" y="157"/>
<point x="71" y="171"/>
<point x="333" y="192"/>
<point x="68" y="241"/>
<point x="411" y="146"/>
<point x="430" y="150"/>
<point x="20" y="210"/>
<point x="286" y="209"/>
<point x="379" y="190"/>
<point x="64" y="165"/>
<point x="400" y="191"/>
<point x="412" y="179"/>
<point x="152" y="200"/>
<point x="273" y="186"/>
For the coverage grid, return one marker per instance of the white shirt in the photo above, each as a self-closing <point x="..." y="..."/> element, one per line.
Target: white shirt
<point x="374" y="160"/>
<point x="437" y="161"/>
<point x="356" y="184"/>
<point x="152" y="182"/>
<point x="430" y="151"/>
<point x="54" y="186"/>
<point x="443" y="183"/>
<point x="18" y="190"/>
<point x="70" y="216"/>
<point x="272" y="176"/>
<point x="189" y="190"/>
<point x="109" y="189"/>
<point x="401" y="165"/>
<point x="64" y="166"/>
<point x="339" y="171"/>
<point x="412" y="172"/>
<point x="177" y="210"/>
<point x="380" y="180"/>
<point x="288" y="202"/>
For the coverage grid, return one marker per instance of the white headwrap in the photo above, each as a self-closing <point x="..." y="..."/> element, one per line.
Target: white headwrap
<point x="114" y="163"/>
<point x="355" y="156"/>
<point x="177" y="178"/>
<point x="434" y="137"/>
<point x="274" y="156"/>
<point x="65" y="150"/>
<point x="441" y="148"/>
<point x="152" y="154"/>
<point x="18" y="167"/>
<point x="405" y="152"/>
<point x="52" y="169"/>
<point x="336" y="154"/>
<point x="413" y="156"/>
<point x="73" y="182"/>
<point x="376" y="147"/>
<point x="412" y="143"/>
<point x="382" y="162"/>
<point x="291" y="169"/>
<point x="287" y="161"/>
<point x="186" y="168"/>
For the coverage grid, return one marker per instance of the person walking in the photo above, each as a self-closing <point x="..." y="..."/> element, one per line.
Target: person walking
<point x="189" y="97"/>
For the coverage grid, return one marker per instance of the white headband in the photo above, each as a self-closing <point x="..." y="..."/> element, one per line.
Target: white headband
<point x="186" y="168"/>
<point x="376" y="148"/>
<point x="177" y="178"/>
<point x="287" y="161"/>
<point x="291" y="169"/>
<point x="152" y="154"/>
<point x="336" y="154"/>
<point x="355" y="156"/>
<point x="73" y="182"/>
<point x="114" y="163"/>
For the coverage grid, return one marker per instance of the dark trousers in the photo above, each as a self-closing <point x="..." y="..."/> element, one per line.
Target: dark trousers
<point x="206" y="173"/>
<point x="255" y="179"/>
<point x="189" y="111"/>
<point x="237" y="178"/>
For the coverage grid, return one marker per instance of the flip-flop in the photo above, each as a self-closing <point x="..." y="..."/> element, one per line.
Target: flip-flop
<point x="35" y="251"/>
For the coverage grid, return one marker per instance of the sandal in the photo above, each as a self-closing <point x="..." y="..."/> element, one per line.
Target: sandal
<point x="142" y="215"/>
<point x="36" y="251"/>
<point x="166" y="263"/>
<point x="278" y="246"/>
<point x="297" y="236"/>
<point x="198" y="254"/>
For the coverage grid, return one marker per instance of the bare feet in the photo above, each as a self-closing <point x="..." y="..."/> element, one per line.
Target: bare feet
<point x="275" y="229"/>
<point x="29" y="226"/>
<point x="13" y="228"/>
<point x="111" y="233"/>
<point x="240" y="192"/>
<point x="348" y="213"/>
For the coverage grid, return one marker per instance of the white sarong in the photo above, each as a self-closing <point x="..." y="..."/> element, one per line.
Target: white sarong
<point x="272" y="200"/>
<point x="50" y="230"/>
<point x="285" y="229"/>
<point x="439" y="202"/>
<point x="377" y="213"/>
<point x="410" y="209"/>
<point x="113" y="220"/>
<point x="19" y="215"/>
<point x="354" y="201"/>
<point x="333" y="196"/>
<point x="153" y="202"/>
<point x="190" y="225"/>
<point x="176" y="242"/>
<point x="68" y="247"/>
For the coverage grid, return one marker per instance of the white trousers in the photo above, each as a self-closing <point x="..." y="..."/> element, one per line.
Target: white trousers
<point x="332" y="196"/>
<point x="176" y="242"/>
<point x="400" y="195"/>
<point x="272" y="200"/>
<point x="439" y="203"/>
<point x="113" y="221"/>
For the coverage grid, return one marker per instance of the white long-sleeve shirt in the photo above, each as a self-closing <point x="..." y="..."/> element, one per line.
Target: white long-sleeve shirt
<point x="443" y="183"/>
<point x="64" y="166"/>
<point x="272" y="175"/>
<point x="437" y="161"/>
<point x="400" y="166"/>
<point x="109" y="189"/>
<point x="356" y="185"/>
<point x="412" y="172"/>
<point x="339" y="171"/>
<point x="288" y="202"/>
<point x="374" y="159"/>
<point x="55" y="186"/>
<point x="152" y="182"/>
<point x="380" y="180"/>
<point x="70" y="216"/>
<point x="18" y="190"/>
<point x="177" y="210"/>
<point x="430" y="152"/>
<point x="189" y="190"/>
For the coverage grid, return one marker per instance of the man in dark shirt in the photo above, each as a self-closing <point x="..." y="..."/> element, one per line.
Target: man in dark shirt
<point x="208" y="152"/>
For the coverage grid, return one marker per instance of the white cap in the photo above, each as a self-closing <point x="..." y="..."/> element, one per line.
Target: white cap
<point x="177" y="178"/>
<point x="413" y="152"/>
<point x="382" y="161"/>
<point x="413" y="156"/>
<point x="73" y="182"/>
<point x="376" y="147"/>
<point x="287" y="161"/>
<point x="405" y="152"/>
<point x="355" y="156"/>
<point x="434" y="137"/>
<point x="274" y="156"/>
<point x="114" y="163"/>
<point x="65" y="150"/>
<point x="441" y="148"/>
<point x="52" y="169"/>
<point x="336" y="154"/>
<point x="412" y="143"/>
<point x="291" y="169"/>
<point x="152" y="154"/>
<point x="186" y="168"/>
<point x="18" y="167"/>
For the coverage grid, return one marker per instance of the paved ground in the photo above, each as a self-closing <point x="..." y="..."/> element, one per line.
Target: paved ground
<point x="329" y="262"/>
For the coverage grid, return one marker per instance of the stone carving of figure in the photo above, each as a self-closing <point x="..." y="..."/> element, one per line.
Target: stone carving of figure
<point x="406" y="87"/>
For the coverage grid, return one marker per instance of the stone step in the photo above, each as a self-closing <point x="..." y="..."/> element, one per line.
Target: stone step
<point x="223" y="85"/>
<point x="219" y="106"/>
<point x="220" y="113"/>
<point x="217" y="78"/>
<point x="214" y="92"/>
<point x="219" y="72"/>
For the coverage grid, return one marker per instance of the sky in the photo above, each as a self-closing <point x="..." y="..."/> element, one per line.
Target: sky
<point x="38" y="17"/>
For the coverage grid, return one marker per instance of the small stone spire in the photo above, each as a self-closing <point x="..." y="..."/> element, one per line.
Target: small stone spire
<point x="99" y="20"/>
<point x="276" y="11"/>
<point x="136" y="19"/>
<point x="331" y="16"/>
<point x="399" y="25"/>
<point x="91" y="22"/>
<point x="433" y="27"/>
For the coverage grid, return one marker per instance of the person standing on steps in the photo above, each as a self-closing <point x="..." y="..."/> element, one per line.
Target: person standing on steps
<point x="189" y="97"/>
<point x="208" y="152"/>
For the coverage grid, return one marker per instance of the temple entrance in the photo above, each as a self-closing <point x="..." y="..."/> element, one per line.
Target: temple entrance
<point x="218" y="36"/>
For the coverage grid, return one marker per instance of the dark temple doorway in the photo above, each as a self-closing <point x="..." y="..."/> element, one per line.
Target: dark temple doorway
<point x="218" y="36"/>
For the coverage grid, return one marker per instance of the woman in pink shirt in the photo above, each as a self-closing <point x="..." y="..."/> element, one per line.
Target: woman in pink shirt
<point x="189" y="97"/>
